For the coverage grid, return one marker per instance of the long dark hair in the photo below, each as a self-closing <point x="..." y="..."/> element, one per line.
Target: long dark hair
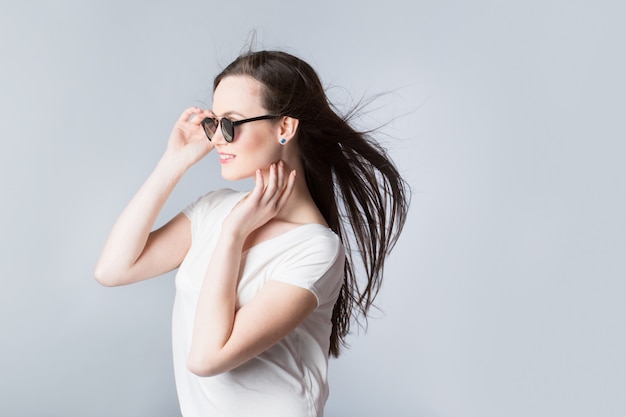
<point x="355" y="185"/>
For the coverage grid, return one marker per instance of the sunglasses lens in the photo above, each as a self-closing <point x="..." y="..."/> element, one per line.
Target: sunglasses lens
<point x="210" y="126"/>
<point x="228" y="130"/>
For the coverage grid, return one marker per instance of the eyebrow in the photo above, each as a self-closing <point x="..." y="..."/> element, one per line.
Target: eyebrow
<point x="231" y="113"/>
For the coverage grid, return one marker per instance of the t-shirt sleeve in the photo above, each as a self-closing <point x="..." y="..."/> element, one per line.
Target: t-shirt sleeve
<point x="199" y="210"/>
<point x="315" y="264"/>
<point x="201" y="206"/>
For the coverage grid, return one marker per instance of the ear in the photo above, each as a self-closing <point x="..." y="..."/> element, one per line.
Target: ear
<point x="287" y="128"/>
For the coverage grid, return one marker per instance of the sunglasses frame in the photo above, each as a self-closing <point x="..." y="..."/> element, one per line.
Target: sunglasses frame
<point x="228" y="126"/>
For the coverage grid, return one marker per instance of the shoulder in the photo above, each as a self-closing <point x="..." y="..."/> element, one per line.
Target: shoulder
<point x="314" y="260"/>
<point x="316" y="238"/>
<point x="312" y="246"/>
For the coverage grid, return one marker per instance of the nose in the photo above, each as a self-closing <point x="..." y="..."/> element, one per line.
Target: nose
<point x="218" y="137"/>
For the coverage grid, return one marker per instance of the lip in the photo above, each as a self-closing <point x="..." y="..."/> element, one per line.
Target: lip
<point x="226" y="158"/>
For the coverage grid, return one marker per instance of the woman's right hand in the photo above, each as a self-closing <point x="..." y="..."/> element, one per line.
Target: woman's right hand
<point x="132" y="252"/>
<point x="188" y="143"/>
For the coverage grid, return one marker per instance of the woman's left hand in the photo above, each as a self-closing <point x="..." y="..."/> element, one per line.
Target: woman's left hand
<point x="263" y="203"/>
<point x="225" y="335"/>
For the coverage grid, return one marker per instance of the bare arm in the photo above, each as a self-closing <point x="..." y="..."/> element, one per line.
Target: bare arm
<point x="224" y="338"/>
<point x="132" y="252"/>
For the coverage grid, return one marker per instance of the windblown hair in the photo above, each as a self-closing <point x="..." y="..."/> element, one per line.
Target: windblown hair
<point x="355" y="185"/>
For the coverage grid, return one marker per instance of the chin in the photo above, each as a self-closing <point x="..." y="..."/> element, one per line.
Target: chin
<point x="230" y="177"/>
<point x="233" y="175"/>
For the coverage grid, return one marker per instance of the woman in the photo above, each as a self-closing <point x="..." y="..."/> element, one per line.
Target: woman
<point x="267" y="284"/>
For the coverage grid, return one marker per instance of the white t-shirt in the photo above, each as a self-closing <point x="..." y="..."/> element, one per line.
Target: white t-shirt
<point x="288" y="379"/>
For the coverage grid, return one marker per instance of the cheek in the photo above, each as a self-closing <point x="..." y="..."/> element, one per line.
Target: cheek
<point x="263" y="149"/>
<point x="262" y="156"/>
<point x="252" y="154"/>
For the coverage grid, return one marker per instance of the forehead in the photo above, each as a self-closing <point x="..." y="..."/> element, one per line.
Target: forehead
<point x="239" y="94"/>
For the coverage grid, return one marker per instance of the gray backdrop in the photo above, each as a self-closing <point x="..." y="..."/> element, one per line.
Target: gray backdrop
<point x="505" y="295"/>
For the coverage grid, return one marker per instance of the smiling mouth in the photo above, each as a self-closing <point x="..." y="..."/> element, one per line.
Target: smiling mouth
<point x="226" y="157"/>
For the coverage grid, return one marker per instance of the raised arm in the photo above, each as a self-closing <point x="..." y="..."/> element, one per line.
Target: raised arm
<point x="132" y="252"/>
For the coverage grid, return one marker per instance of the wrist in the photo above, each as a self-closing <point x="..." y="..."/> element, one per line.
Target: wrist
<point x="231" y="239"/>
<point x="173" y="165"/>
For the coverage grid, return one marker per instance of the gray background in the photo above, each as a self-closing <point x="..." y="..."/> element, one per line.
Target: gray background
<point x="505" y="294"/>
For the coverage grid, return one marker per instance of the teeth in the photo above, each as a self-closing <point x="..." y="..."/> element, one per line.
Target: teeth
<point x="227" y="156"/>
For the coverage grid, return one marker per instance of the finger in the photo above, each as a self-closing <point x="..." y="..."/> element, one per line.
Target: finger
<point x="281" y="175"/>
<point x="190" y="111"/>
<point x="202" y="114"/>
<point x="257" y="192"/>
<point x="271" y="187"/>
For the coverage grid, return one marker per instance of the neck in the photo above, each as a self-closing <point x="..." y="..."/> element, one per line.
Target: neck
<point x="300" y="208"/>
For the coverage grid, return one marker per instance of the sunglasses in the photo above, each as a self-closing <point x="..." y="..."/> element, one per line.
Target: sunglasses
<point x="210" y="125"/>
